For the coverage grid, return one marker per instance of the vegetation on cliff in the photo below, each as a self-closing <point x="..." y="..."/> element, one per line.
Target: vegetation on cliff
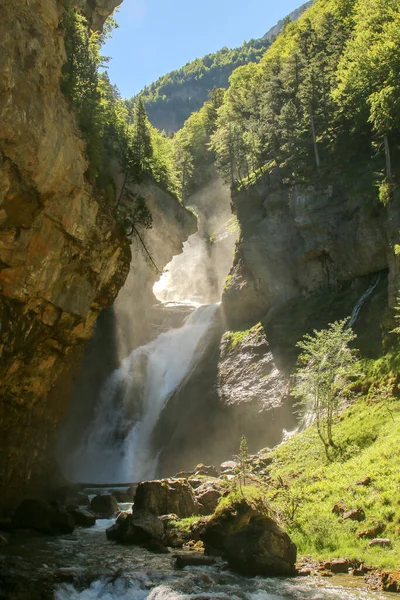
<point x="324" y="95"/>
<point x="118" y="138"/>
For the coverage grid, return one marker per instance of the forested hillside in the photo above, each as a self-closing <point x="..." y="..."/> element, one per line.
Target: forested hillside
<point x="172" y="98"/>
<point x="323" y="100"/>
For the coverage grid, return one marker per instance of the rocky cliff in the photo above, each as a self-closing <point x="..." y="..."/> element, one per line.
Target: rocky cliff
<point x="62" y="257"/>
<point x="298" y="240"/>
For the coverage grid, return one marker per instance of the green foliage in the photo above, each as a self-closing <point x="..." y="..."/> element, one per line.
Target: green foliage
<point x="114" y="134"/>
<point x="198" y="77"/>
<point x="325" y="93"/>
<point x="243" y="469"/>
<point x="325" y="366"/>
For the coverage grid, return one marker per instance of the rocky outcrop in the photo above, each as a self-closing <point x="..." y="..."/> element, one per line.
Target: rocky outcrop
<point x="252" y="542"/>
<point x="237" y="387"/>
<point x="167" y="496"/>
<point x="137" y="528"/>
<point x="62" y="257"/>
<point x="296" y="240"/>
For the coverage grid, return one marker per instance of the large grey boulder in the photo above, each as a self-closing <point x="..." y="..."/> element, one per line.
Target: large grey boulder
<point x="137" y="528"/>
<point x="104" y="505"/>
<point x="165" y="496"/>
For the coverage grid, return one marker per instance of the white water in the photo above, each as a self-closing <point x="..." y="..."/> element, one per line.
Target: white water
<point x="117" y="446"/>
<point x="361" y="301"/>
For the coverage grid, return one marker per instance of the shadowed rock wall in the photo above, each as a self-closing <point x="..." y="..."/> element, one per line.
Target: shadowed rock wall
<point x="62" y="257"/>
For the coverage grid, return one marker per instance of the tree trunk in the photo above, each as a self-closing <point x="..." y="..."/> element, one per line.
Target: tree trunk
<point x="387" y="156"/>
<point x="316" y="152"/>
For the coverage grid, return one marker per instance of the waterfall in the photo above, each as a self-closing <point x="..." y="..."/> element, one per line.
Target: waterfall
<point x="117" y="446"/>
<point x="359" y="304"/>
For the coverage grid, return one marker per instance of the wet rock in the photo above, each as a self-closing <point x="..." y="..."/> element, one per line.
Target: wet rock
<point x="192" y="560"/>
<point x="304" y="572"/>
<point x="340" y="565"/>
<point x="83" y="517"/>
<point x="356" y="514"/>
<point x="252" y="543"/>
<point x="43" y="517"/>
<point x="136" y="528"/>
<point x="3" y="540"/>
<point x="382" y="542"/>
<point x="121" y="495"/>
<point x="155" y="546"/>
<point x="165" y="496"/>
<point x="105" y="506"/>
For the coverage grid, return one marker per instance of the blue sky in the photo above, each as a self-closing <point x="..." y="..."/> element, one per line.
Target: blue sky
<point x="157" y="36"/>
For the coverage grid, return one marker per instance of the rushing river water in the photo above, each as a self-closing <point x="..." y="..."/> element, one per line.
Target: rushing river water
<point x="86" y="566"/>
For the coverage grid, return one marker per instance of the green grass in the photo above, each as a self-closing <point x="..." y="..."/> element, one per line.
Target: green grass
<point x="306" y="487"/>
<point x="184" y="524"/>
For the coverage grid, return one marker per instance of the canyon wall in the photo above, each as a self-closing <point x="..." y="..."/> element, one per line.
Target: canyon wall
<point x="62" y="257"/>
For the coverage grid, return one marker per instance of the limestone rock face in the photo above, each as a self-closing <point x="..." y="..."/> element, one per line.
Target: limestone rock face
<point x="298" y="240"/>
<point x="62" y="258"/>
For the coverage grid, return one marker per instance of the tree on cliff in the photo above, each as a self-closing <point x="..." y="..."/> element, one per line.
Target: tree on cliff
<point x="142" y="147"/>
<point x="324" y="368"/>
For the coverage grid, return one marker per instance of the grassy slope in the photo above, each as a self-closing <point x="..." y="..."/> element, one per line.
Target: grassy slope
<point x="368" y="436"/>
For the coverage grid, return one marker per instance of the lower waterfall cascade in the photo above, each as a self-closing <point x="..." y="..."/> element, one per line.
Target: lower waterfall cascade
<point x="117" y="446"/>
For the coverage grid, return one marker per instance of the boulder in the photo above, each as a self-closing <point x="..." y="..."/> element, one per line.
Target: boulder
<point x="228" y="465"/>
<point x="207" y="470"/>
<point x="83" y="517"/>
<point x="261" y="548"/>
<point x="252" y="543"/>
<point x="43" y="517"/>
<point x="105" y="506"/>
<point x="122" y="495"/>
<point x="340" y="565"/>
<point x="371" y="532"/>
<point x="136" y="528"/>
<point x="165" y="496"/>
<point x="382" y="542"/>
<point x="70" y="495"/>
<point x="208" y="495"/>
<point x="356" y="514"/>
